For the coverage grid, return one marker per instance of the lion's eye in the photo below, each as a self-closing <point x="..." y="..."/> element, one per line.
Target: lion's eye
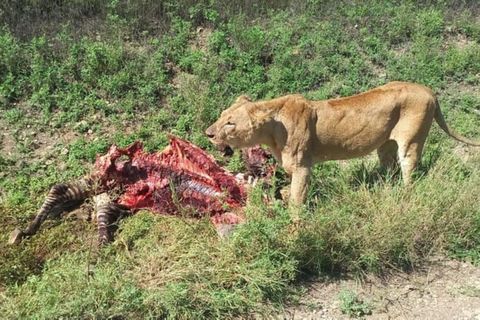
<point x="229" y="123"/>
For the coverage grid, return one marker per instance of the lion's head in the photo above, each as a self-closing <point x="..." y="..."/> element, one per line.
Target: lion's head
<point x="235" y="128"/>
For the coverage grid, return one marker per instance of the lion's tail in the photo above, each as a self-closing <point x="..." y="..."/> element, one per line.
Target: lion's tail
<point x="445" y="127"/>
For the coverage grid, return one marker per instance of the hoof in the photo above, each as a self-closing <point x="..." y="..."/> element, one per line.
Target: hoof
<point x="104" y="240"/>
<point x="16" y="236"/>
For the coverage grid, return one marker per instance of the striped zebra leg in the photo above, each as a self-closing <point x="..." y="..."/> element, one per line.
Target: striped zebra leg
<point x="107" y="214"/>
<point x="58" y="195"/>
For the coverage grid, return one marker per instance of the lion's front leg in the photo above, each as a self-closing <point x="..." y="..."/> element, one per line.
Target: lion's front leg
<point x="299" y="189"/>
<point x="300" y="183"/>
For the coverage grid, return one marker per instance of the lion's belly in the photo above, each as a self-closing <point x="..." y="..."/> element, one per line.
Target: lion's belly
<point x="347" y="150"/>
<point x="344" y="152"/>
<point x="351" y="132"/>
<point x="356" y="140"/>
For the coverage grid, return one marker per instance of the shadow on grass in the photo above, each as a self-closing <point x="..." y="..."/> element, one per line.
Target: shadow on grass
<point x="363" y="176"/>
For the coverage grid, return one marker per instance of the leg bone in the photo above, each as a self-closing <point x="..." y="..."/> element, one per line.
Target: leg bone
<point x="58" y="195"/>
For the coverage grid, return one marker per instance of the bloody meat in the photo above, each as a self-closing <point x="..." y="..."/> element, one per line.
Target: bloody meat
<point x="180" y="178"/>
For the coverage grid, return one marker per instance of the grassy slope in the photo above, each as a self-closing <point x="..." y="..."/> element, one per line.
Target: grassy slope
<point x="65" y="97"/>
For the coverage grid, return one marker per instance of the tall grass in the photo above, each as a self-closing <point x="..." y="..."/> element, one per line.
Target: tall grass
<point x="171" y="267"/>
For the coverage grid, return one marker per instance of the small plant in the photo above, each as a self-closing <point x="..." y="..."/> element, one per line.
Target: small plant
<point x="469" y="291"/>
<point x="352" y="305"/>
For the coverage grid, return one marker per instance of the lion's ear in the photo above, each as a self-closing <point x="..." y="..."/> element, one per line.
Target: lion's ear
<point x="258" y="115"/>
<point x="243" y="98"/>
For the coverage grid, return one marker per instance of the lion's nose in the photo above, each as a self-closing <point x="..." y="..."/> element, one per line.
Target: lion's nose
<point x="209" y="132"/>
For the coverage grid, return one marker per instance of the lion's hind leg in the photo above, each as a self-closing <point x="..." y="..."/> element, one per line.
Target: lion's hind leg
<point x="388" y="156"/>
<point x="409" y="155"/>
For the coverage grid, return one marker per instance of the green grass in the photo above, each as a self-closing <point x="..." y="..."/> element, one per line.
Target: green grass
<point x="67" y="93"/>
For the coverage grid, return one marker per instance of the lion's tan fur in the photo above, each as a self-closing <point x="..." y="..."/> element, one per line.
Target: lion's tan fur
<point x="393" y="119"/>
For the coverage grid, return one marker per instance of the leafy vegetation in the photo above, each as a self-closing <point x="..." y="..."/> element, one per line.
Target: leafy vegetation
<point x="352" y="305"/>
<point x="68" y="90"/>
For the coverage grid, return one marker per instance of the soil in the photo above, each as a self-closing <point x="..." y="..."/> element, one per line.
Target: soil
<point x="441" y="289"/>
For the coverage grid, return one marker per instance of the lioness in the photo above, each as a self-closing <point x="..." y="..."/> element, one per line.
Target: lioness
<point x="394" y="119"/>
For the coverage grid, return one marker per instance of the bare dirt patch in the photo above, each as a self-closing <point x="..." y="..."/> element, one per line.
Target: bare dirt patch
<point x="462" y="87"/>
<point x="457" y="40"/>
<point x="441" y="289"/>
<point x="200" y="42"/>
<point x="402" y="49"/>
<point x="7" y="142"/>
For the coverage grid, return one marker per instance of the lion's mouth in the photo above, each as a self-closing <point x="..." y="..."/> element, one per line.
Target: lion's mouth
<point x="224" y="148"/>
<point x="227" y="151"/>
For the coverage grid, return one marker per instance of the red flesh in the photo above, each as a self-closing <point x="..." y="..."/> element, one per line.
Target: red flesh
<point x="180" y="176"/>
<point x="258" y="162"/>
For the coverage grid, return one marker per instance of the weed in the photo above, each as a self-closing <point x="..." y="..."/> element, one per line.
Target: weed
<point x="352" y="305"/>
<point x="469" y="291"/>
